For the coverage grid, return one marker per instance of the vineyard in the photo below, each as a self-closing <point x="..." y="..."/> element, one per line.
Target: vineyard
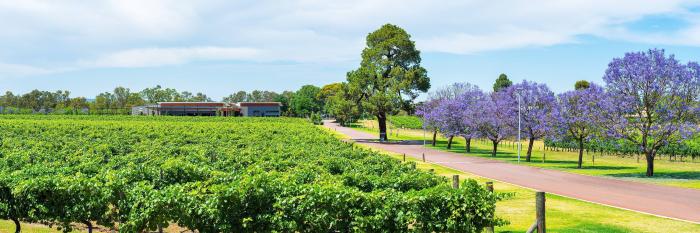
<point x="685" y="150"/>
<point x="218" y="175"/>
<point x="408" y="122"/>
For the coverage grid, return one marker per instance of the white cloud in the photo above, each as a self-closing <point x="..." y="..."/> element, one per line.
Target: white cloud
<point x="169" y="56"/>
<point x="96" y="20"/>
<point x="132" y="33"/>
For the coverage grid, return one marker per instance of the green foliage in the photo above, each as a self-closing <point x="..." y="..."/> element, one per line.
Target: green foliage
<point x="409" y="122"/>
<point x="341" y="106"/>
<point x="254" y="96"/>
<point x="305" y="102"/>
<point x="316" y="119"/>
<point x="621" y="147"/>
<point x="389" y="75"/>
<point x="329" y="91"/>
<point x="219" y="175"/>
<point x="501" y="83"/>
<point x="582" y="84"/>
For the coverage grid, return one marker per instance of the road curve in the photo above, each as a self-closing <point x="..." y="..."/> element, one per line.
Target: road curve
<point x="664" y="201"/>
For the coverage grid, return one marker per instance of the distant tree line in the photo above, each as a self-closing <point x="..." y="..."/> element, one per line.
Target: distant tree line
<point x="305" y="102"/>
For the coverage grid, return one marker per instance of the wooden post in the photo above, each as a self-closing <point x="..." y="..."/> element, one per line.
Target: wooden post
<point x="455" y="181"/>
<point x="540" y="205"/>
<point x="404" y="157"/>
<point x="431" y="170"/>
<point x="489" y="187"/>
<point x="544" y="155"/>
<point x="424" y="157"/>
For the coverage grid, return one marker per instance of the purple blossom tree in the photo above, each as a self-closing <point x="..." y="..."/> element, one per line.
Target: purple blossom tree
<point x="454" y="116"/>
<point x="536" y="106"/>
<point x="427" y="112"/>
<point x="578" y="114"/>
<point x="469" y="103"/>
<point x="491" y="119"/>
<point x="653" y="100"/>
<point x="435" y="113"/>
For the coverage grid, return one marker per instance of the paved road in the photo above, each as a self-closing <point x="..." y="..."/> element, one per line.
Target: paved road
<point x="672" y="202"/>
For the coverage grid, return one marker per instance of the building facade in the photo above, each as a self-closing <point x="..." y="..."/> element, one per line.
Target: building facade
<point x="260" y="109"/>
<point x="255" y="109"/>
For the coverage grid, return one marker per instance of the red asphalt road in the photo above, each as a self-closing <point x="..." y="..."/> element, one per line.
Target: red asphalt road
<point x="671" y="202"/>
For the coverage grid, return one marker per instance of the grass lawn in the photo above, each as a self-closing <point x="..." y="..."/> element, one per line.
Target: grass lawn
<point x="563" y="214"/>
<point x="673" y="173"/>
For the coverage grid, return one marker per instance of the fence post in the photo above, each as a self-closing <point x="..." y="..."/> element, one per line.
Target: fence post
<point x="489" y="187"/>
<point x="544" y="155"/>
<point x="540" y="205"/>
<point x="424" y="157"/>
<point x="455" y="181"/>
<point x="404" y="157"/>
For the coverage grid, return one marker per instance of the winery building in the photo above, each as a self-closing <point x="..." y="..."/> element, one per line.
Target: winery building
<point x="258" y="109"/>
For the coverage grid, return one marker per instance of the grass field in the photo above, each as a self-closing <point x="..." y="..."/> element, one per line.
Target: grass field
<point x="563" y="214"/>
<point x="673" y="173"/>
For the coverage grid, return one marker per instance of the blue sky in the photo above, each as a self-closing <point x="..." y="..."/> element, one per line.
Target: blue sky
<point x="220" y="47"/>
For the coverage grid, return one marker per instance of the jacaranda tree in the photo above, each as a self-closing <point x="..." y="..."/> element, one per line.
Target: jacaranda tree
<point x="433" y="112"/>
<point x="426" y="111"/>
<point x="455" y="116"/>
<point x="578" y="115"/>
<point x="492" y="118"/>
<point x="536" y="105"/>
<point x="653" y="100"/>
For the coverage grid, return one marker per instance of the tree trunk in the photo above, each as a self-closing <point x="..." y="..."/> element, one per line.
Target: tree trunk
<point x="529" y="149"/>
<point x="449" y="142"/>
<point x="381" y="119"/>
<point x="18" y="228"/>
<point x="495" y="148"/>
<point x="650" y="163"/>
<point x="434" y="136"/>
<point x="580" y="152"/>
<point x="89" y="226"/>
<point x="468" y="144"/>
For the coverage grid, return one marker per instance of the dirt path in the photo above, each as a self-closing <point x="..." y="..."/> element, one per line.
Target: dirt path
<point x="672" y="202"/>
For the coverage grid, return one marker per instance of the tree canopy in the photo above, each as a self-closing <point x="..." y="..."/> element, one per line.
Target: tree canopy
<point x="582" y="84"/>
<point x="305" y="101"/>
<point x="502" y="82"/>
